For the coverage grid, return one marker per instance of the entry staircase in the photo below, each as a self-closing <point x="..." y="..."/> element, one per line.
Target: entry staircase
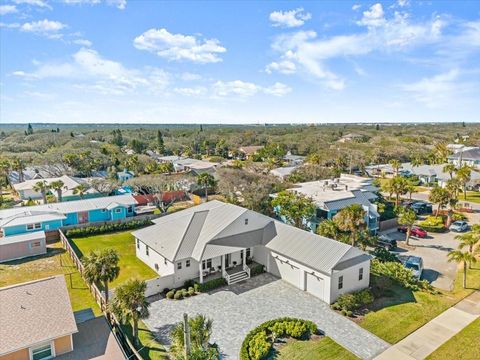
<point x="235" y="277"/>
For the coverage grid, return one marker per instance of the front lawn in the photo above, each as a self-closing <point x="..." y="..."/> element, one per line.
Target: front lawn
<point x="463" y="346"/>
<point x="124" y="244"/>
<point x="472" y="196"/>
<point x="150" y="349"/>
<point x="318" y="349"/>
<point x="55" y="262"/>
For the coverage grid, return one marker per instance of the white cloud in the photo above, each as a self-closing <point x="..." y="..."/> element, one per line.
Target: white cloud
<point x="44" y="27"/>
<point x="9" y="26"/>
<point x="277" y="89"/>
<point x="374" y="16"/>
<point x="244" y="89"/>
<point x="284" y="67"/>
<point x="289" y="19"/>
<point x="179" y="47"/>
<point x="8" y="9"/>
<point x="191" y="91"/>
<point x="186" y="76"/>
<point x="403" y="3"/>
<point x="356" y="7"/>
<point x="38" y="3"/>
<point x="119" y="4"/>
<point x="83" y="42"/>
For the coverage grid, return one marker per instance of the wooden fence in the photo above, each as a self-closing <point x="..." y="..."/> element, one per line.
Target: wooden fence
<point x="100" y="299"/>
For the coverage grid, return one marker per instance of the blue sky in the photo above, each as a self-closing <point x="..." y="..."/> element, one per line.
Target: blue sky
<point x="125" y="61"/>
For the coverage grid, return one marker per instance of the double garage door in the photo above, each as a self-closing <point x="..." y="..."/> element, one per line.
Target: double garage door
<point x="298" y="277"/>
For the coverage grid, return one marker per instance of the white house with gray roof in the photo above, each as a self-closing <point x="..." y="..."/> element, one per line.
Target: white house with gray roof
<point x="217" y="239"/>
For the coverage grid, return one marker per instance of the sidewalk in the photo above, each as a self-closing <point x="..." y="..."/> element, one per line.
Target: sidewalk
<point x="421" y="343"/>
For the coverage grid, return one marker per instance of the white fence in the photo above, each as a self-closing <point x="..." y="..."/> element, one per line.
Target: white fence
<point x="157" y="285"/>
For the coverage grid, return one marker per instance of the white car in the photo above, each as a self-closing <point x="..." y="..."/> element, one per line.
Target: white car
<point x="459" y="226"/>
<point x="415" y="263"/>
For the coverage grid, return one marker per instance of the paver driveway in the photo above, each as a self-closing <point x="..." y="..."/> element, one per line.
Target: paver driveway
<point x="238" y="308"/>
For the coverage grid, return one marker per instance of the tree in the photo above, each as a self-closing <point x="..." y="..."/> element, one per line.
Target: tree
<point x="101" y="267"/>
<point x="407" y="217"/>
<point x="138" y="146"/>
<point x="463" y="258"/>
<point x="18" y="165"/>
<point x="160" y="143"/>
<point x="469" y="240"/>
<point x="397" y="185"/>
<point x="81" y="190"/>
<point x="439" y="196"/>
<point x="464" y="176"/>
<point x="294" y="207"/>
<point x="206" y="181"/>
<point x="43" y="188"/>
<point x="396" y="165"/>
<point x="328" y="228"/>
<point x="351" y="219"/>
<point x="130" y="303"/>
<point x="450" y="169"/>
<point x="29" y="129"/>
<point x="4" y="167"/>
<point x="200" y="333"/>
<point x="58" y="187"/>
<point x="441" y="152"/>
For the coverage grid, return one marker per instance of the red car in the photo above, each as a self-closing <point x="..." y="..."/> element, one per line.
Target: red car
<point x="416" y="231"/>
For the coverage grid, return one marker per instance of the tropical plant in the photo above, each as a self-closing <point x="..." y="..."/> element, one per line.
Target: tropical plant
<point x="294" y="207"/>
<point x="200" y="333"/>
<point x="58" y="187"/>
<point x="328" y="228"/>
<point x="464" y="175"/>
<point x="130" y="303"/>
<point x="42" y="187"/>
<point x="407" y="217"/>
<point x="206" y="181"/>
<point x="397" y="185"/>
<point x="18" y="165"/>
<point x="441" y="152"/>
<point x="439" y="196"/>
<point x="81" y="190"/>
<point x="396" y="165"/>
<point x="351" y="219"/>
<point x="450" y="169"/>
<point x="469" y="240"/>
<point x="101" y="267"/>
<point x="463" y="258"/>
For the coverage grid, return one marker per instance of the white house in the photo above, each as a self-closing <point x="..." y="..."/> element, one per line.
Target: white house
<point x="215" y="239"/>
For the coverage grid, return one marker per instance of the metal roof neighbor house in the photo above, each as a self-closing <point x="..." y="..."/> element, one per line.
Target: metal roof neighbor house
<point x="22" y="246"/>
<point x="469" y="157"/>
<point x="216" y="239"/>
<point x="37" y="320"/>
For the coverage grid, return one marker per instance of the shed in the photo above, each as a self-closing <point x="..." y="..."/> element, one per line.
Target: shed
<point x="21" y="246"/>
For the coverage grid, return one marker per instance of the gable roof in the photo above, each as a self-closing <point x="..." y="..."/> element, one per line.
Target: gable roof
<point x="216" y="228"/>
<point x="472" y="154"/>
<point x="249" y="150"/>
<point x="34" y="312"/>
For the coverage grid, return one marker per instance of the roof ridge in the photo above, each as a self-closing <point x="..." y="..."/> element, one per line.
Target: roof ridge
<point x="30" y="282"/>
<point x="192" y="216"/>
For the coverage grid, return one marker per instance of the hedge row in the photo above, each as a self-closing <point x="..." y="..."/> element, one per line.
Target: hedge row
<point x="399" y="273"/>
<point x="347" y="303"/>
<point x="211" y="284"/>
<point x="107" y="228"/>
<point x="259" y="341"/>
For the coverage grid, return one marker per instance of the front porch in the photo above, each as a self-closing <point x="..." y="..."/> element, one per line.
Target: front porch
<point x="232" y="267"/>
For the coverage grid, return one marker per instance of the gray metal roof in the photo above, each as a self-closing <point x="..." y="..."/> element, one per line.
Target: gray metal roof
<point x="472" y="154"/>
<point x="31" y="217"/>
<point x="36" y="235"/>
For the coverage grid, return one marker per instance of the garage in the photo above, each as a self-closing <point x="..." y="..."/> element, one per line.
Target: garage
<point x="21" y="246"/>
<point x="315" y="285"/>
<point x="288" y="271"/>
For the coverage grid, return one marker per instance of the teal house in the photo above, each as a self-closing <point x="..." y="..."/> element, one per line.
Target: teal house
<point x="49" y="217"/>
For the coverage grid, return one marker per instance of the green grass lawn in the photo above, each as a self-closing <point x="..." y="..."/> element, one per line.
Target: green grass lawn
<point x="124" y="243"/>
<point x="463" y="346"/>
<point x="321" y="349"/>
<point x="55" y="262"/>
<point x="395" y="317"/>
<point x="472" y="196"/>
<point x="149" y="348"/>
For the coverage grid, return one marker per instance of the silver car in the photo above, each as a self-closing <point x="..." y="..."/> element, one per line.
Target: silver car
<point x="459" y="226"/>
<point x="415" y="263"/>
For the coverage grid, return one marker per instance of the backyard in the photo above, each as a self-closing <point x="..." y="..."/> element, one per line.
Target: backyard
<point x="55" y="262"/>
<point x="315" y="349"/>
<point x="124" y="244"/>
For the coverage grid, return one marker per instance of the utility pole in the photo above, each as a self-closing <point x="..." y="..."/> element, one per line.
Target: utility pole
<point x="186" y="336"/>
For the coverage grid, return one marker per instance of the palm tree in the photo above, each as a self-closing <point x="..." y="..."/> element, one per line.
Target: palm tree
<point x="407" y="217"/>
<point x="102" y="268"/>
<point x="462" y="258"/>
<point x="200" y="333"/>
<point x="328" y="228"/>
<point x="80" y="189"/>
<point x="399" y="186"/>
<point x="464" y="176"/>
<point x="58" y="187"/>
<point x="450" y="169"/>
<point x="417" y="161"/>
<point x="130" y="303"/>
<point x="396" y="165"/>
<point x="4" y="167"/>
<point x="439" y="196"/>
<point x="469" y="239"/>
<point x="42" y="187"/>
<point x="441" y="152"/>
<point x="205" y="180"/>
<point x="352" y="219"/>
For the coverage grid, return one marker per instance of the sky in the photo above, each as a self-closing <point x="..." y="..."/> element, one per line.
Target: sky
<point x="126" y="61"/>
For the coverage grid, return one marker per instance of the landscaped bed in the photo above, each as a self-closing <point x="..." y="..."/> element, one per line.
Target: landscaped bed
<point x="55" y="262"/>
<point x="124" y="244"/>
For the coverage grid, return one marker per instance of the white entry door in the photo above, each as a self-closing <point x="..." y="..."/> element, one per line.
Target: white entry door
<point x="315" y="285"/>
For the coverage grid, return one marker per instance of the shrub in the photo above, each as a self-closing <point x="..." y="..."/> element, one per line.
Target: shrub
<point x="259" y="346"/>
<point x="178" y="295"/>
<point x="256" y="270"/>
<point x="196" y="287"/>
<point x="191" y="292"/>
<point x="349" y="302"/>
<point x="106" y="228"/>
<point x="212" y="284"/>
<point x="170" y="294"/>
<point x="433" y="224"/>
<point x="384" y="255"/>
<point x="397" y="272"/>
<point x="188" y="283"/>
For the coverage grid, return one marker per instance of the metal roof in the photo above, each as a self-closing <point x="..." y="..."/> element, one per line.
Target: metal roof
<point x="36" y="235"/>
<point x="31" y="217"/>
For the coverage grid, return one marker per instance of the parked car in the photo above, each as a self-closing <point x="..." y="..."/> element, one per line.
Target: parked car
<point x="421" y="207"/>
<point x="415" y="263"/>
<point x="386" y="242"/>
<point x="459" y="226"/>
<point x="416" y="231"/>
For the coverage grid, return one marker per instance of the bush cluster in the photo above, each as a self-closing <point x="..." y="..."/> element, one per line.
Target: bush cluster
<point x="179" y="294"/>
<point x="347" y="303"/>
<point x="384" y="255"/>
<point x="397" y="272"/>
<point x="256" y="270"/>
<point x="211" y="284"/>
<point x="259" y="341"/>
<point x="106" y="228"/>
<point x="433" y="224"/>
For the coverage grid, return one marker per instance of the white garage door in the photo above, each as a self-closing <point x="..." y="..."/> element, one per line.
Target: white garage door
<point x="315" y="285"/>
<point x="289" y="273"/>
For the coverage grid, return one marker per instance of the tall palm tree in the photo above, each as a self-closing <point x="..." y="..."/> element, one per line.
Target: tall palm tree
<point x="205" y="180"/>
<point x="407" y="217"/>
<point x="81" y="190"/>
<point x="450" y="169"/>
<point x="462" y="258"/>
<point x="464" y="175"/>
<point x="58" y="187"/>
<point x="101" y="267"/>
<point x="469" y="240"/>
<point x="396" y="165"/>
<point x="441" y="152"/>
<point x="42" y="187"/>
<point x="417" y="161"/>
<point x="352" y="219"/>
<point x="130" y="303"/>
<point x="399" y="186"/>
<point x="200" y="333"/>
<point x="4" y="167"/>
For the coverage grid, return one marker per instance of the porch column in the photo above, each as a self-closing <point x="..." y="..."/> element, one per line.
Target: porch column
<point x="243" y="257"/>
<point x="223" y="263"/>
<point x="201" y="271"/>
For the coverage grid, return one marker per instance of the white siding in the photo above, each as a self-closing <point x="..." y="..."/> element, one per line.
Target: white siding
<point x="165" y="267"/>
<point x="315" y="285"/>
<point x="350" y="280"/>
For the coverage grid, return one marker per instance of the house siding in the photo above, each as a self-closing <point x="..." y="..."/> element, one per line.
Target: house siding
<point x="17" y="355"/>
<point x="22" y="229"/>
<point x="21" y="250"/>
<point x="350" y="280"/>
<point x="63" y="345"/>
<point x="98" y="215"/>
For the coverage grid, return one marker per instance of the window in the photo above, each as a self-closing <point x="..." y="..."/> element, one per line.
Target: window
<point x="246" y="221"/>
<point x="340" y="282"/>
<point x="104" y="210"/>
<point x="35" y="244"/>
<point x="187" y="263"/>
<point x="360" y="274"/>
<point x="35" y="226"/>
<point x="118" y="210"/>
<point x="156" y="266"/>
<point x="130" y="209"/>
<point x="146" y="250"/>
<point x="42" y="352"/>
<point x="248" y="252"/>
<point x="179" y="265"/>
<point x="138" y="244"/>
<point x="206" y="264"/>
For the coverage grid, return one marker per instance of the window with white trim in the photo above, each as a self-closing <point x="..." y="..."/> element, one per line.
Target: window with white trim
<point x="187" y="263"/>
<point x="146" y="250"/>
<point x="179" y="265"/>
<point x="340" y="282"/>
<point x="42" y="352"/>
<point x="360" y="274"/>
<point x="35" y="226"/>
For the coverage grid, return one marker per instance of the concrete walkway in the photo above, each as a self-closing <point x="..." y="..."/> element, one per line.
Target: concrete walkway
<point x="421" y="343"/>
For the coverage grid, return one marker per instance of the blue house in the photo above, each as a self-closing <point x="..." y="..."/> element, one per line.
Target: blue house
<point x="125" y="175"/>
<point x="53" y="216"/>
